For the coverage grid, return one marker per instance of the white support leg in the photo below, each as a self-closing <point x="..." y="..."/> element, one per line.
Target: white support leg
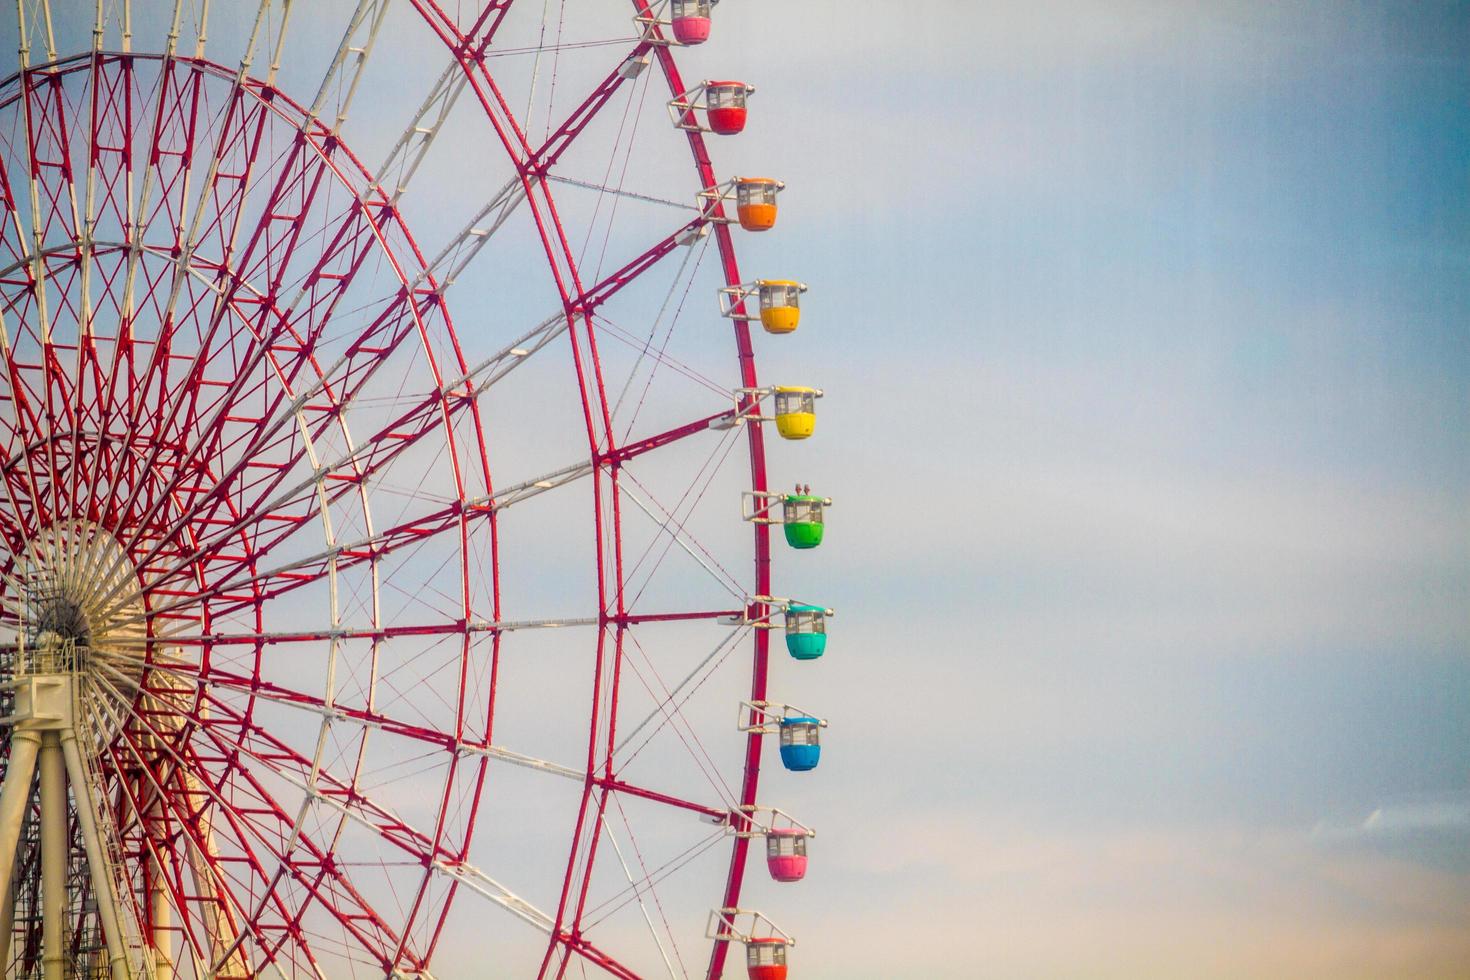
<point x="97" y="859"/>
<point x="54" y="848"/>
<point x="161" y="912"/>
<point x="7" y="921"/>
<point x="15" y="795"/>
<point x="224" y="937"/>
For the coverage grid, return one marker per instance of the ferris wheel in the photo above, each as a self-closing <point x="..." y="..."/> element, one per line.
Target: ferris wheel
<point x="386" y="533"/>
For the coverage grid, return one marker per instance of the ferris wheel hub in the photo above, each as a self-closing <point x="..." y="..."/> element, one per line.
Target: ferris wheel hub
<point x="83" y="618"/>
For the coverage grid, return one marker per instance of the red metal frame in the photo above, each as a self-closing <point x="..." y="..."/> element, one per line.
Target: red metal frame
<point x="203" y="486"/>
<point x="533" y="166"/>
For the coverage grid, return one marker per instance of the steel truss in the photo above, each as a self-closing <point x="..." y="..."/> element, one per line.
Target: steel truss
<point x="222" y="351"/>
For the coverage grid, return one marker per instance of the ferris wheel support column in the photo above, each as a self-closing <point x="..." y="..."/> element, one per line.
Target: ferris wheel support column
<point x="103" y="883"/>
<point x="54" y="848"/>
<point x="224" y="936"/>
<point x="7" y="918"/>
<point x="160" y="918"/>
<point x="15" y="794"/>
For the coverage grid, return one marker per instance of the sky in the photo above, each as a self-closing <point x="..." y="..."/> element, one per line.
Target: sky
<point x="1148" y="353"/>
<point x="1144" y="329"/>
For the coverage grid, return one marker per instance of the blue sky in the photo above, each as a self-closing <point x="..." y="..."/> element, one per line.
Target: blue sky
<point x="1154" y="553"/>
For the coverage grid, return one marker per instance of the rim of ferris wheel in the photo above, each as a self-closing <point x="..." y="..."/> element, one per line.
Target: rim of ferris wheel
<point x="722" y="102"/>
<point x="779" y="301"/>
<point x="689" y="22"/>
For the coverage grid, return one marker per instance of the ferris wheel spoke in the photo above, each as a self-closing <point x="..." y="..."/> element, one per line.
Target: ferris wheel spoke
<point x="686" y="234"/>
<point x="671" y="702"/>
<point x="619" y="192"/>
<point x="637" y="890"/>
<point x="289" y="576"/>
<point x="53" y="213"/>
<point x="476" y="881"/>
<point x="162" y="856"/>
<point x="648" y="881"/>
<point x="190" y="804"/>
<point x="629" y="451"/>
<point x="472" y="238"/>
<point x="472" y="36"/>
<point x="349" y="801"/>
<point x="248" y="820"/>
<point x="467" y="43"/>
<point x="298" y="856"/>
<point x="280" y="432"/>
<point x="655" y="796"/>
<point x="213" y="224"/>
<point x="316" y="704"/>
<point x="398" y="631"/>
<point x="349" y="63"/>
<point x="577" y="121"/>
<point x="402" y="163"/>
<point x="313" y="778"/>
